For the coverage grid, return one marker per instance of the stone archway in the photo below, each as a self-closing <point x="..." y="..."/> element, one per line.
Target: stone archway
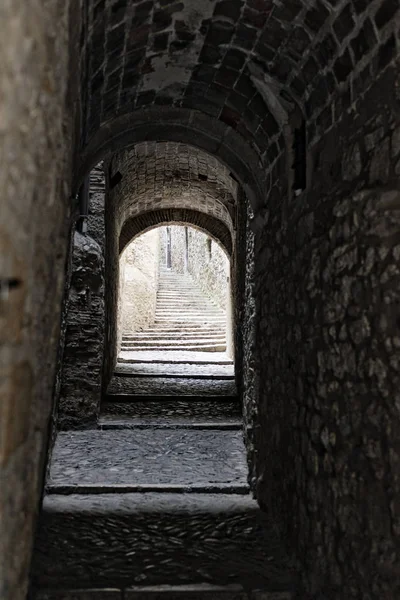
<point x="213" y="227"/>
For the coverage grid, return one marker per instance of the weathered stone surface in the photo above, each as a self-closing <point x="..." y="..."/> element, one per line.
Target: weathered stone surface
<point x="176" y="410"/>
<point x="189" y="360"/>
<point x="134" y="457"/>
<point x="326" y="317"/>
<point x="165" y="592"/>
<point x="80" y="393"/>
<point x="74" y="594"/>
<point x="152" y="539"/>
<point x="159" y="386"/>
<point x="328" y="405"/>
<point x="36" y="146"/>
<point x="139" y="282"/>
<point x="191" y="592"/>
<point x="195" y="371"/>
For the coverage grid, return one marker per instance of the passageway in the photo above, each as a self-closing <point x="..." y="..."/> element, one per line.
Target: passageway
<point x="272" y="472"/>
<point x="175" y="296"/>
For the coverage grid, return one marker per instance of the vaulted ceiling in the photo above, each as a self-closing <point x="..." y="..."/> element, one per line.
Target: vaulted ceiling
<point x="222" y="57"/>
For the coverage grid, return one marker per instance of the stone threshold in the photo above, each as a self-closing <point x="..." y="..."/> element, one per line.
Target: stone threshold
<point x="105" y="424"/>
<point x="169" y="375"/>
<point x="142" y="488"/>
<point x="163" y="592"/>
<point x="160" y="398"/>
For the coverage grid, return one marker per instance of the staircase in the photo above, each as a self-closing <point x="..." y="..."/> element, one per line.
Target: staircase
<point x="154" y="503"/>
<point x="185" y="320"/>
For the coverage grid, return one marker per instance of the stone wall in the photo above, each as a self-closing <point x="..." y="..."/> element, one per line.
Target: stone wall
<point x="80" y="393"/>
<point x="83" y="349"/>
<point x="325" y="447"/>
<point x="207" y="263"/>
<point x="35" y="210"/>
<point x="139" y="265"/>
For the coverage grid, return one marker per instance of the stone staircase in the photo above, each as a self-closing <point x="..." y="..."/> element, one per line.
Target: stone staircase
<point x="154" y="503"/>
<point x="185" y="320"/>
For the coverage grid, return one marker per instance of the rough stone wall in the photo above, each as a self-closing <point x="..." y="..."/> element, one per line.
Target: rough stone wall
<point x="112" y="291"/>
<point x="36" y="143"/>
<point x="162" y="175"/>
<point x="80" y="392"/>
<point x="328" y="423"/>
<point x="83" y="350"/>
<point x="139" y="266"/>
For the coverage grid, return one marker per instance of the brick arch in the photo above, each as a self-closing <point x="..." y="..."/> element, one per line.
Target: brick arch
<point x="146" y="221"/>
<point x="156" y="176"/>
<point x="184" y="126"/>
<point x="198" y="56"/>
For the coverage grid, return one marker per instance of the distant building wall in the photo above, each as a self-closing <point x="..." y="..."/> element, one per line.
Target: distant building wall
<point x="138" y="282"/>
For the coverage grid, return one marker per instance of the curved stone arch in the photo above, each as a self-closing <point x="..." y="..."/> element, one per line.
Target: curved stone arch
<point x="180" y="161"/>
<point x="157" y="176"/>
<point x="188" y="127"/>
<point x="201" y="131"/>
<point x="206" y="223"/>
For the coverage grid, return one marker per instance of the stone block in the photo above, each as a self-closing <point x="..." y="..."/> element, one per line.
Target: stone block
<point x="187" y="592"/>
<point x="86" y="594"/>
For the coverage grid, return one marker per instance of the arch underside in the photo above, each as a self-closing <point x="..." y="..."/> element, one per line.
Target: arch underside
<point x="178" y="216"/>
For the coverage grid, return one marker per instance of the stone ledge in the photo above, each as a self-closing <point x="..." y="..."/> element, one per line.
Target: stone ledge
<point x="89" y="594"/>
<point x="129" y="540"/>
<point x="161" y="592"/>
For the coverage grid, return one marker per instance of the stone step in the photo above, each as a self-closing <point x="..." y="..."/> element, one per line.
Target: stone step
<point x="177" y="309"/>
<point x="206" y="413"/>
<point x="187" y="359"/>
<point x="181" y="459"/>
<point x="122" y="540"/>
<point x="172" y="387"/>
<point x="177" y="322"/>
<point x="191" y="319"/>
<point x="176" y="305"/>
<point x="184" y="302"/>
<point x="181" y="299"/>
<point x="173" y="342"/>
<point x="174" y="288"/>
<point x="194" y="327"/>
<point x="183" y="348"/>
<point x="173" y="335"/>
<point x="162" y="592"/>
<point x="179" y="291"/>
<point x="173" y="311"/>
<point x="207" y="318"/>
<point x="176" y="336"/>
<point x="210" y="371"/>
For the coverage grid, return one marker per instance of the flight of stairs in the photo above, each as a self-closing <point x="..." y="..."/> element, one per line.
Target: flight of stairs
<point x="185" y="320"/>
<point x="154" y="503"/>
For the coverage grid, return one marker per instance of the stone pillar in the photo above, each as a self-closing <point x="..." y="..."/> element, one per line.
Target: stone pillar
<point x="81" y="378"/>
<point x="80" y="395"/>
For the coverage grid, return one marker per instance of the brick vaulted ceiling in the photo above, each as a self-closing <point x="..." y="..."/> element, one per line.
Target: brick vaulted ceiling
<point x="164" y="181"/>
<point x="200" y="55"/>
